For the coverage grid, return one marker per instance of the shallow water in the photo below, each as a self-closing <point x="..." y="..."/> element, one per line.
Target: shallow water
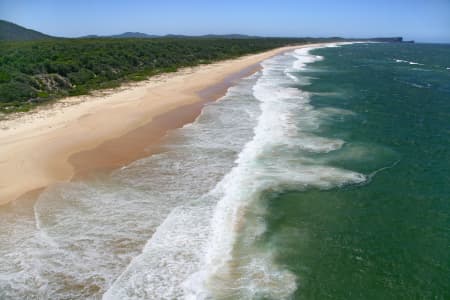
<point x="79" y="237"/>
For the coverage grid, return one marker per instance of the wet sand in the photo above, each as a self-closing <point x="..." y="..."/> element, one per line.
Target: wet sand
<point x="145" y="140"/>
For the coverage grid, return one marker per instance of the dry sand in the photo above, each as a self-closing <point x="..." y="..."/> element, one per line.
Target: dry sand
<point x="78" y="136"/>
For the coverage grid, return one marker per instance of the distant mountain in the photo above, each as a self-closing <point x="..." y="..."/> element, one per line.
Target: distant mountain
<point x="174" y="36"/>
<point x="236" y="36"/>
<point x="125" y="35"/>
<point x="133" y="35"/>
<point x="13" y="32"/>
<point x="90" y="36"/>
<point x="230" y="36"/>
<point x="215" y="36"/>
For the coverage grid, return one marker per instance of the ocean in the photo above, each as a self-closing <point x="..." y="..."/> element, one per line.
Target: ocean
<point x="325" y="175"/>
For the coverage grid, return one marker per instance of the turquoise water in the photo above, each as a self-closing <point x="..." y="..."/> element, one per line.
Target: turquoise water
<point x="387" y="238"/>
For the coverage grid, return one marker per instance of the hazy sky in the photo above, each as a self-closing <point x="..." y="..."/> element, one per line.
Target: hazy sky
<point x="422" y="20"/>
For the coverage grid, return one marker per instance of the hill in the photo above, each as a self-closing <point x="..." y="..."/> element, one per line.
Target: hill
<point x="133" y="35"/>
<point x="173" y="36"/>
<point x="13" y="32"/>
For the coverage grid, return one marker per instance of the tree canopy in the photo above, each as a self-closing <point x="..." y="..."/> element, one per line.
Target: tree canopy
<point x="33" y="72"/>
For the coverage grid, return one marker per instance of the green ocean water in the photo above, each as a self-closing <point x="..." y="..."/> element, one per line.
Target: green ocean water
<point x="388" y="238"/>
<point x="325" y="175"/>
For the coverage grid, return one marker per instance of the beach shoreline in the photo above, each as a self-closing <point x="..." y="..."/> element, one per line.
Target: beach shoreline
<point x="80" y="136"/>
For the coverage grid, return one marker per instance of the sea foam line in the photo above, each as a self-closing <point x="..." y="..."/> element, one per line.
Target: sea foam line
<point x="207" y="148"/>
<point x="255" y="274"/>
<point x="193" y="253"/>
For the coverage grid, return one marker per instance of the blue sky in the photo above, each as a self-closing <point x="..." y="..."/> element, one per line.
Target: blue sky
<point x="421" y="20"/>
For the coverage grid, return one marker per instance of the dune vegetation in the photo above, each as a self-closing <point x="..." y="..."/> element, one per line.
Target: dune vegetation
<point x="34" y="72"/>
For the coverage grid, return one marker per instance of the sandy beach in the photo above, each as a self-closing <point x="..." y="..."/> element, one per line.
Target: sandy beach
<point x="79" y="136"/>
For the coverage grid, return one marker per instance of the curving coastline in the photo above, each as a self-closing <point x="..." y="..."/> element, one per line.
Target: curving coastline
<point x="81" y="135"/>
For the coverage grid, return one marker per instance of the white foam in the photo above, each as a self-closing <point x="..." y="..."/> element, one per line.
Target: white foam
<point x="175" y="250"/>
<point x="408" y="62"/>
<point x="304" y="58"/>
<point x="319" y="144"/>
<point x="266" y="164"/>
<point x="163" y="227"/>
<point x="79" y="237"/>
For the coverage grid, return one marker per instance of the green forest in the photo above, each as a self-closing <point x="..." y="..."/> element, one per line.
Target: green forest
<point x="34" y="72"/>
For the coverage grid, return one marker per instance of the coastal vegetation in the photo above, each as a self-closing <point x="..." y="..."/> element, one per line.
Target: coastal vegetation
<point x="33" y="72"/>
<point x="36" y="68"/>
